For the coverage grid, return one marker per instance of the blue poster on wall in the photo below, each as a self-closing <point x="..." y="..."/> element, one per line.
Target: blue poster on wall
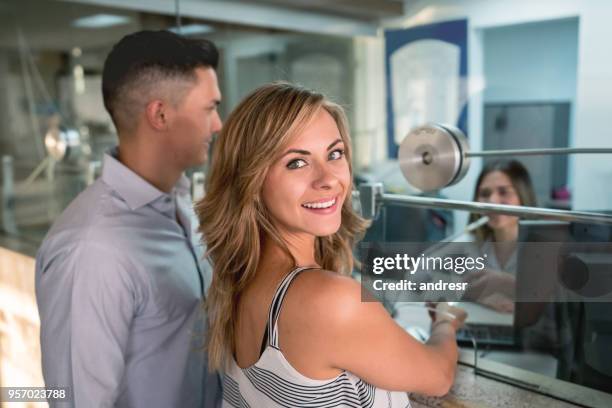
<point x="426" y="74"/>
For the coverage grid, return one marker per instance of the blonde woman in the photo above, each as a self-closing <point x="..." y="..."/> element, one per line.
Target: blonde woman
<point x="287" y="325"/>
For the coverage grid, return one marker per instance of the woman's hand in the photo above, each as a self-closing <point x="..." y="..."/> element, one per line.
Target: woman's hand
<point x="447" y="313"/>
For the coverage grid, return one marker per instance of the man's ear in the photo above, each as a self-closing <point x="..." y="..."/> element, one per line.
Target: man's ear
<point x="157" y="114"/>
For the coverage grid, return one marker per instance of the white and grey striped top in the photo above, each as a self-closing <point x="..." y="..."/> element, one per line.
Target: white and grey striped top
<point x="273" y="382"/>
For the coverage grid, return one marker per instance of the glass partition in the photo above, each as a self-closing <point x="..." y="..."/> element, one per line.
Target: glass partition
<point x="53" y="125"/>
<point x="541" y="303"/>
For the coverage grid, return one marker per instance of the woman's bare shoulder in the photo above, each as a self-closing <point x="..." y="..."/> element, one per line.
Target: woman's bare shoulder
<point x="321" y="284"/>
<point x="327" y="297"/>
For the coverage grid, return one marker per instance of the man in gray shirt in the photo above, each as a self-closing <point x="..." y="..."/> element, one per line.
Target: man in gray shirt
<point x="120" y="276"/>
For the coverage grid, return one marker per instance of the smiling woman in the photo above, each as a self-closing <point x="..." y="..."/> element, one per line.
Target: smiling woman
<point x="305" y="188"/>
<point x="286" y="327"/>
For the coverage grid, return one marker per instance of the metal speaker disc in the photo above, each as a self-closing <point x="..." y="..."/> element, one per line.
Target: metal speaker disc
<point x="63" y="143"/>
<point x="432" y="157"/>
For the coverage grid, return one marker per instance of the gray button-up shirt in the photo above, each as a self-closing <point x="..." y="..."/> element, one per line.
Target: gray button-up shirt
<point x="119" y="281"/>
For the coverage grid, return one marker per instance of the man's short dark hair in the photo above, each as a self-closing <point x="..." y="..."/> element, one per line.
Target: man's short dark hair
<point x="138" y="64"/>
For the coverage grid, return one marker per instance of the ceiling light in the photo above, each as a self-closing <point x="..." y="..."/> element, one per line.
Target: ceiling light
<point x="192" y="29"/>
<point x="100" y="21"/>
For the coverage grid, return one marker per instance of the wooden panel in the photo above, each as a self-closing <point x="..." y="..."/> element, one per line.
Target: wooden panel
<point x="19" y="325"/>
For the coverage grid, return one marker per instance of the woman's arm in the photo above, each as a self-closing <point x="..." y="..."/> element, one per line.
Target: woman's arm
<point x="350" y="334"/>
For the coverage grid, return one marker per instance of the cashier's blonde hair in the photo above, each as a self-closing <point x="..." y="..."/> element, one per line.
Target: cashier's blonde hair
<point x="233" y="218"/>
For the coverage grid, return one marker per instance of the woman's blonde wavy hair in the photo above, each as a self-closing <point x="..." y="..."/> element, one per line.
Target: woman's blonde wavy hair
<point x="233" y="219"/>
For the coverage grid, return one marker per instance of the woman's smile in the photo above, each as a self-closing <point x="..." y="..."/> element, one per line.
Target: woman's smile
<point x="323" y="206"/>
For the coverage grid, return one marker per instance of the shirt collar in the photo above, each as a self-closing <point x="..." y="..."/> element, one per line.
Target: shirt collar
<point x="183" y="185"/>
<point x="136" y="191"/>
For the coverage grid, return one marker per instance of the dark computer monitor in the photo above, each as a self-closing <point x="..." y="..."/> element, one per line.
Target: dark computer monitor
<point x="537" y="266"/>
<point x="592" y="365"/>
<point x="564" y="271"/>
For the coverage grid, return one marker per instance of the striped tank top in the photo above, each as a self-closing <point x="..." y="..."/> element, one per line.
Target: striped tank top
<point x="273" y="382"/>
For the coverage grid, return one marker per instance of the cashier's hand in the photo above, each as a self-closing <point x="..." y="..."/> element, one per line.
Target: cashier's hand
<point x="455" y="315"/>
<point x="498" y="302"/>
<point x="491" y="288"/>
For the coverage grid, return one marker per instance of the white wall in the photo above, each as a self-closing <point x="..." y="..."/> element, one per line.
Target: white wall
<point x="369" y="131"/>
<point x="593" y="174"/>
<point x="534" y="62"/>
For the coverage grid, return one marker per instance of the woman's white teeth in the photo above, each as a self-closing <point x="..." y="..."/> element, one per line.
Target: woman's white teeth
<point x="325" y="204"/>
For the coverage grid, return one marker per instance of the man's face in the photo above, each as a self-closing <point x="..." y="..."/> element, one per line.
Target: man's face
<point x="195" y="121"/>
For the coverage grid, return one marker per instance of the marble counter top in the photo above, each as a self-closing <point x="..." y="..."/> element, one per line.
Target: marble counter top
<point x="476" y="391"/>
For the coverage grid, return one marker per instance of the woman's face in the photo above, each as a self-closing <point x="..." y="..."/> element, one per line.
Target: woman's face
<point x="305" y="188"/>
<point x="496" y="188"/>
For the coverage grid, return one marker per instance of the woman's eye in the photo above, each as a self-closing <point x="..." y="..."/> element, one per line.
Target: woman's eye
<point x="484" y="193"/>
<point x="336" y="154"/>
<point x="296" y="164"/>
<point x="505" y="191"/>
